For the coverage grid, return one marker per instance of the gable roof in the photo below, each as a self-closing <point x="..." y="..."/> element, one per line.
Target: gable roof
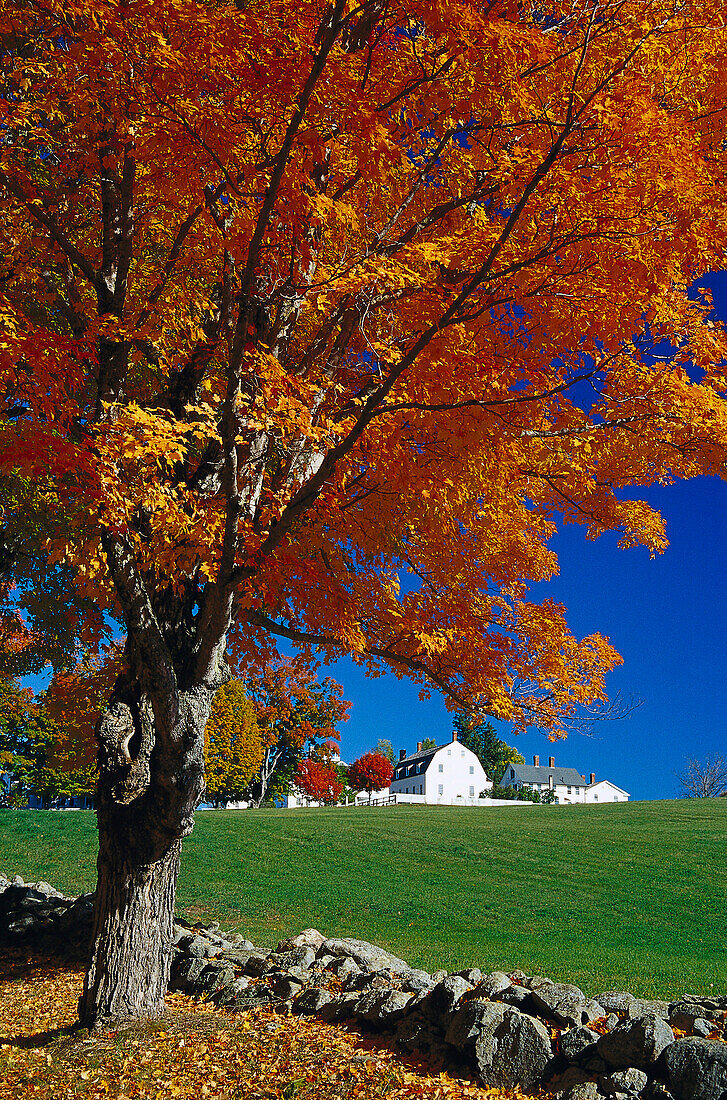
<point x="562" y="777"/>
<point x="608" y="783"/>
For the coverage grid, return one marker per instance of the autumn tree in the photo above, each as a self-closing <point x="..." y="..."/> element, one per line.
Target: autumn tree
<point x="317" y="317"/>
<point x="318" y="781"/>
<point x="233" y="743"/>
<point x="371" y="772"/>
<point x="297" y="714"/>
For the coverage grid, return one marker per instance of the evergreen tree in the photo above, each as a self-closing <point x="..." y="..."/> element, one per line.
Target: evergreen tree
<point x="478" y="734"/>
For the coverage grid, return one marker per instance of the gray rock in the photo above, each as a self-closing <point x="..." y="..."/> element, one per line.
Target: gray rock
<point x="473" y="975"/>
<point x="471" y="1019"/>
<point x="309" y="937"/>
<point x="611" y="1021"/>
<point x="257" y="965"/>
<point x="417" y="981"/>
<point x="492" y="984"/>
<point x="574" y="1075"/>
<point x="697" y="1069"/>
<point x="536" y="981"/>
<point x="311" y="1001"/>
<point x="303" y="957"/>
<point x="367" y="955"/>
<point x="344" y="968"/>
<point x="359" y="982"/>
<point x="579" y="1039"/>
<point x="256" y="996"/>
<point x="635" y="1042"/>
<point x="286" y="986"/>
<point x="517" y="1052"/>
<point x="702" y="1027"/>
<point x="213" y="977"/>
<point x="615" y="1000"/>
<point x="381" y="1007"/>
<point x="683" y="1013"/>
<point x="588" y="1090"/>
<point x="438" y="1005"/>
<point x="638" y="1008"/>
<point x="628" y="1082"/>
<point x="186" y="971"/>
<point x="515" y="995"/>
<point x="566" y="1005"/>
<point x="227" y="996"/>
<point x="439" y="976"/>
<point x="340" y="1008"/>
<point x="198" y="947"/>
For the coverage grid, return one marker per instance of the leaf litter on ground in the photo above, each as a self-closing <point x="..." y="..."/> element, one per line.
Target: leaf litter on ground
<point x="196" y="1052"/>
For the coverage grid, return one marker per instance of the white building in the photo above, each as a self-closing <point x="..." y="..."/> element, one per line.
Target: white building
<point x="604" y="791"/>
<point x="569" y="786"/>
<point x="448" y="776"/>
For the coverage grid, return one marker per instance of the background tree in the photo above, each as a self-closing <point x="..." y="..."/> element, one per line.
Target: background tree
<point x="385" y="748"/>
<point x="318" y="781"/>
<point x="287" y="292"/>
<point x="29" y="751"/>
<point x="705" y="778"/>
<point x="233" y="743"/>
<point x="479" y="735"/>
<point x="371" y="772"/>
<point x="429" y="743"/>
<point x="297" y="714"/>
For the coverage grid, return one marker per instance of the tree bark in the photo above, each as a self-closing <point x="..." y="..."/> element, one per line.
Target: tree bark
<point x="131" y="956"/>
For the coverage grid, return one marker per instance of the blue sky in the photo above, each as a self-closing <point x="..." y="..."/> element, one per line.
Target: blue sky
<point x="667" y="617"/>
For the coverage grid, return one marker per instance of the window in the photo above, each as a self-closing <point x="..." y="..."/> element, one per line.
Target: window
<point x="472" y="792"/>
<point x="570" y="791"/>
<point x="595" y="798"/>
<point x="441" y="789"/>
<point x="421" y="788"/>
<point x="449" y="752"/>
<point x="472" y="770"/>
<point x="462" y="753"/>
<point x="512" y="773"/>
<point x="578" y="790"/>
<point x="441" y="767"/>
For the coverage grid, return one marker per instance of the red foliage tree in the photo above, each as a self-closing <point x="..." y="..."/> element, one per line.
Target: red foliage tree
<point x="370" y="772"/>
<point x="318" y="781"/>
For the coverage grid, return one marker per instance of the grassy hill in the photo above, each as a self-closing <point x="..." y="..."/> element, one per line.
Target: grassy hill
<point x="604" y="896"/>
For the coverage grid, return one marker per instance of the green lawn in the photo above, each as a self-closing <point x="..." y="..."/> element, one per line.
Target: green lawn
<point x="604" y="896"/>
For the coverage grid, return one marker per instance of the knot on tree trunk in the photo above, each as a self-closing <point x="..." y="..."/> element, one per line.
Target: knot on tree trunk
<point x="126" y="741"/>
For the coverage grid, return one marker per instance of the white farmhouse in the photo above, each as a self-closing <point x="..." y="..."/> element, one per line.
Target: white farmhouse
<point x="604" y="791"/>
<point x="448" y="776"/>
<point x="569" y="786"/>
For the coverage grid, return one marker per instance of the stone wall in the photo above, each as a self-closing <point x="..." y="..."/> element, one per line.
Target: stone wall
<point x="510" y="1029"/>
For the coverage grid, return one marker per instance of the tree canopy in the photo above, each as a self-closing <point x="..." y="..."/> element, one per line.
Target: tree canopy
<point x="371" y="772"/>
<point x="479" y="735"/>
<point x="234" y="744"/>
<point x="316" y="317"/>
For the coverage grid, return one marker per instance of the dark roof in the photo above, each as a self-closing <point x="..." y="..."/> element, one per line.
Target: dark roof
<point x="529" y="773"/>
<point x="417" y="758"/>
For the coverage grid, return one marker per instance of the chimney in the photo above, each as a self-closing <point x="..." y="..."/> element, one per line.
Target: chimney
<point x="454" y="735"/>
<point x="551" y="761"/>
<point x="550" y="782"/>
<point x="593" y="777"/>
<point x="402" y="754"/>
<point x="536" y="761"/>
<point x="419" y="746"/>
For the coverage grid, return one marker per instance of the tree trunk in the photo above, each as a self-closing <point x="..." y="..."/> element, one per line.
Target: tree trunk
<point x="151" y="778"/>
<point x="133" y="921"/>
